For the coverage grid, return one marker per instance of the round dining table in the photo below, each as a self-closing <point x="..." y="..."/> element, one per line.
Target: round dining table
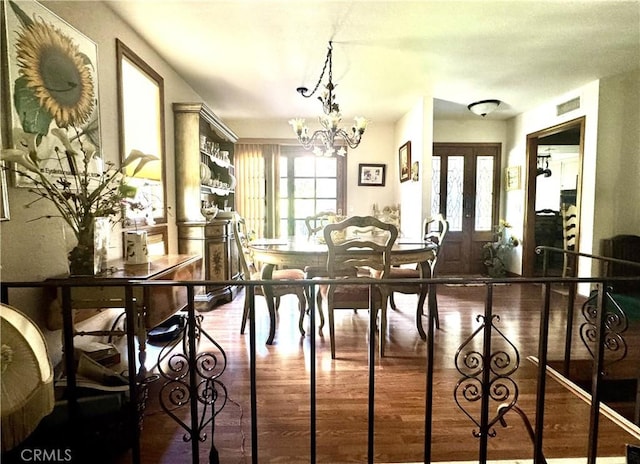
<point x="299" y="252"/>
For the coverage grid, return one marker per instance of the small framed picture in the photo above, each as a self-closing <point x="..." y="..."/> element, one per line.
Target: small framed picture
<point x="512" y="178"/>
<point x="404" y="160"/>
<point x="372" y="174"/>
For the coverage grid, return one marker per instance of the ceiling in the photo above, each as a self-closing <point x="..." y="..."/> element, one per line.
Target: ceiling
<point x="245" y="58"/>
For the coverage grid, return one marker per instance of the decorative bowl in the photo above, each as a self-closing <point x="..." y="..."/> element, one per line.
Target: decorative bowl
<point x="209" y="212"/>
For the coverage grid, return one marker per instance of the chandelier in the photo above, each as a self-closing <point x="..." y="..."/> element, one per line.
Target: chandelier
<point x="323" y="142"/>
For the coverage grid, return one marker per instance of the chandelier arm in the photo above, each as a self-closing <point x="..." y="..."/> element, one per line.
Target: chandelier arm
<point x="305" y="91"/>
<point x="352" y="141"/>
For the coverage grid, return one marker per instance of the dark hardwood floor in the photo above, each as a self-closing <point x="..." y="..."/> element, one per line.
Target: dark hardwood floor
<point x="283" y="390"/>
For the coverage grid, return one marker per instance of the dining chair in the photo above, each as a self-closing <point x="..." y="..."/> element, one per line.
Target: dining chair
<point x="272" y="293"/>
<point x="435" y="231"/>
<point x="315" y="224"/>
<point x="348" y="253"/>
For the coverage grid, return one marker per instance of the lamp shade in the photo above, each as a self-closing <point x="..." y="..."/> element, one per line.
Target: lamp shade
<point x="26" y="382"/>
<point x="483" y="107"/>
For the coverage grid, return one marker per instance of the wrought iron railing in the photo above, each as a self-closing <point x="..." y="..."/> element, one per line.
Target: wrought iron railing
<point x="195" y="379"/>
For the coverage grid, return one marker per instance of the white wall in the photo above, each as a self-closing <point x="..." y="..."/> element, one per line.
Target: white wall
<point x="416" y="126"/>
<point x="618" y="163"/>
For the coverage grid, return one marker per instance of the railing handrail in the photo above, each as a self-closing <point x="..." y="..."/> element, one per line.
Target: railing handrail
<point x="540" y="249"/>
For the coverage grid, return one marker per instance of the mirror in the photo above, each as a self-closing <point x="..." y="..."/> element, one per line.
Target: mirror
<point x="141" y="119"/>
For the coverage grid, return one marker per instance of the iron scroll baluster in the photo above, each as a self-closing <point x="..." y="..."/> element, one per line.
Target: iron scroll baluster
<point x="615" y="324"/>
<point x="192" y="379"/>
<point x="486" y="375"/>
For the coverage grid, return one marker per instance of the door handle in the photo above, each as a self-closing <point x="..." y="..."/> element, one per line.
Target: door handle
<point x="466" y="203"/>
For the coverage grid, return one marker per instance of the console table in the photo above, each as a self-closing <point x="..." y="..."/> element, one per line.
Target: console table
<point x="153" y="304"/>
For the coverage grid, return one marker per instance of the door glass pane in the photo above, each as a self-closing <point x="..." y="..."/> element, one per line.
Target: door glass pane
<point x="435" y="185"/>
<point x="484" y="193"/>
<point x="326" y="188"/>
<point x="455" y="184"/>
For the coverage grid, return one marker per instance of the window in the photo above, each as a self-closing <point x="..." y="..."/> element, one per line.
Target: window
<point x="307" y="185"/>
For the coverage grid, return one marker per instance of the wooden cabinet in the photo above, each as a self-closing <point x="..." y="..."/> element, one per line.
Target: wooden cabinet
<point x="204" y="149"/>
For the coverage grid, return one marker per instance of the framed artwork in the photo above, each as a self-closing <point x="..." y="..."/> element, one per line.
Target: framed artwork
<point x="512" y="178"/>
<point x="52" y="87"/>
<point x="141" y="118"/>
<point x="404" y="162"/>
<point x="415" y="171"/>
<point x="372" y="174"/>
<point x="4" y="198"/>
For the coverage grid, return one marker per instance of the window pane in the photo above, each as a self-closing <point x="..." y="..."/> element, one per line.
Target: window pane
<point x="484" y="193"/>
<point x="303" y="208"/>
<point x="284" y="208"/>
<point x="326" y="167"/>
<point x="284" y="233"/>
<point x="284" y="188"/>
<point x="304" y="166"/>
<point x="455" y="183"/>
<point x="301" y="228"/>
<point x="326" y="205"/>
<point x="283" y="166"/>
<point x="326" y="188"/>
<point x="303" y="188"/>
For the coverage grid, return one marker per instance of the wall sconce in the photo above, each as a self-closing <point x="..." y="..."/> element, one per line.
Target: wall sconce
<point x="483" y="107"/>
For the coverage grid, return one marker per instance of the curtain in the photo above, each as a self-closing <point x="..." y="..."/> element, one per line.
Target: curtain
<point x="256" y="196"/>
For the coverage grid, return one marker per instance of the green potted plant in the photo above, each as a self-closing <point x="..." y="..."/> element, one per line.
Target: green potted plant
<point x="495" y="254"/>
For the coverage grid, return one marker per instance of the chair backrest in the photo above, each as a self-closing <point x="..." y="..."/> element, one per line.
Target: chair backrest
<point x="569" y="226"/>
<point x="348" y="249"/>
<point x="435" y="230"/>
<point x="317" y="222"/>
<point x="244" y="253"/>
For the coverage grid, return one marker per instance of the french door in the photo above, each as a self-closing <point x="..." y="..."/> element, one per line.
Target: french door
<point x="465" y="189"/>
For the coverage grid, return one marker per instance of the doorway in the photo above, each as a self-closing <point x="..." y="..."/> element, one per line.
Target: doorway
<point x="552" y="209"/>
<point x="466" y="182"/>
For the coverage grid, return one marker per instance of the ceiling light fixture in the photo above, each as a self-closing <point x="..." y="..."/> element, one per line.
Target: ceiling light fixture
<point x="323" y="142"/>
<point x="484" y="107"/>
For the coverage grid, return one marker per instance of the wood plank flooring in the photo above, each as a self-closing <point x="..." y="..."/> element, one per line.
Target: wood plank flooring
<point x="283" y="390"/>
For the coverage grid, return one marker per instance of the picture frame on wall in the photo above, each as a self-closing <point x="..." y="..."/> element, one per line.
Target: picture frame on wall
<point x="49" y="106"/>
<point x="512" y="178"/>
<point x="372" y="175"/>
<point x="404" y="162"/>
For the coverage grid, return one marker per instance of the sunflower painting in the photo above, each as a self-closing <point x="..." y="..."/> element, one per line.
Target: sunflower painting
<point x="53" y="83"/>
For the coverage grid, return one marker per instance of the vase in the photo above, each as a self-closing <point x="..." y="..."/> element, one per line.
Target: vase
<point x="89" y="256"/>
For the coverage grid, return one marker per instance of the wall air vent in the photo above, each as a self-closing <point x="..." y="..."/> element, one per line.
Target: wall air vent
<point x="567" y="106"/>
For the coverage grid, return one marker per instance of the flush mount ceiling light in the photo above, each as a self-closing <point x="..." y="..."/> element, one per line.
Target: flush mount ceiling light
<point x="323" y="142"/>
<point x="483" y="107"/>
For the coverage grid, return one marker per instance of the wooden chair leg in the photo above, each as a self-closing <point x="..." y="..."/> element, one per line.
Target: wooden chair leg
<point x="383" y="328"/>
<point x="393" y="302"/>
<point x="332" y="333"/>
<point x="245" y="314"/>
<point x="302" y="305"/>
<point x="320" y="311"/>
<point x="272" y="305"/>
